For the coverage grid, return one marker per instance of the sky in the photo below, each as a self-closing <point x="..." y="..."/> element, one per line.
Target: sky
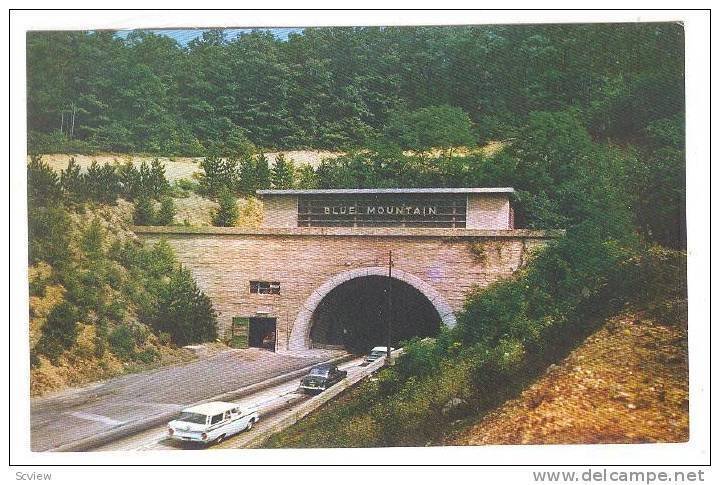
<point x="184" y="36"/>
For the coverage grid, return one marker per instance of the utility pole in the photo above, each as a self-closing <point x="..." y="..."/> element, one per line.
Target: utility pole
<point x="388" y="358"/>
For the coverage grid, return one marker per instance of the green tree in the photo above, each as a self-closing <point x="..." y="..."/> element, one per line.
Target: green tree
<point x="218" y="173"/>
<point x="166" y="213"/>
<point x="306" y="177"/>
<point x="184" y="311"/>
<point x="432" y="127"/>
<point x="49" y="235"/>
<point x="144" y="214"/>
<point x="93" y="239"/>
<point x="283" y="173"/>
<point x="227" y="214"/>
<point x="262" y="172"/>
<point x="72" y="182"/>
<point x="43" y="183"/>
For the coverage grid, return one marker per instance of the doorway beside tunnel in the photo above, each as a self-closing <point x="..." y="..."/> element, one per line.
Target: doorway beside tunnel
<point x="354" y="315"/>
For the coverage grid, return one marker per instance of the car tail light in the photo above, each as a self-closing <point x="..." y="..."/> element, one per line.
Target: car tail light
<point x="171" y="431"/>
<point x="203" y="436"/>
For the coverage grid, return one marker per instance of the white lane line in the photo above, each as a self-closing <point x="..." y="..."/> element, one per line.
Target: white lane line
<point x="96" y="417"/>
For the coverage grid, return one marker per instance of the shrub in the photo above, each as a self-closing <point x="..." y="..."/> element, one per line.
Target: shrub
<point x="147" y="356"/>
<point x="48" y="234"/>
<point x="122" y="342"/>
<point x="59" y="332"/>
<point x="92" y="239"/>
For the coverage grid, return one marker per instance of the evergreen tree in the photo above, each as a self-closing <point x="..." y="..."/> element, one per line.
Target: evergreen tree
<point x="129" y="180"/>
<point x="184" y="311"/>
<point x="227" y="213"/>
<point x="247" y="176"/>
<point x="157" y="183"/>
<point x="72" y="182"/>
<point x="219" y="173"/>
<point x="43" y="183"/>
<point x="166" y="213"/>
<point x="306" y="177"/>
<point x="144" y="214"/>
<point x="262" y="172"/>
<point x="59" y="332"/>
<point x="283" y="173"/>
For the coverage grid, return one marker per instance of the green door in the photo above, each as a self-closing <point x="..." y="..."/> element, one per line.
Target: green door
<point x="239" y="333"/>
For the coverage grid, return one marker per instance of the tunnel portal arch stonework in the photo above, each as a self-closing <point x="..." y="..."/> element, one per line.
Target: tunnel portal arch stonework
<point x="300" y="334"/>
<point x="307" y="263"/>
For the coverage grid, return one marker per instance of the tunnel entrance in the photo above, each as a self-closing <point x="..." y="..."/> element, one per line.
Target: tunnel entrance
<point x="353" y="315"/>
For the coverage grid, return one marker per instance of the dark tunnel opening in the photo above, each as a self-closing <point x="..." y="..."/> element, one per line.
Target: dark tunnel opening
<point x="353" y="315"/>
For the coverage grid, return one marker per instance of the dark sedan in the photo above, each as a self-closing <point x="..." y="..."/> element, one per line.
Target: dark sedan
<point x="321" y="377"/>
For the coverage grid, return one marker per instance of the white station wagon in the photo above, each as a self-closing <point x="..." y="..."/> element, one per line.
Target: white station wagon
<point x="212" y="422"/>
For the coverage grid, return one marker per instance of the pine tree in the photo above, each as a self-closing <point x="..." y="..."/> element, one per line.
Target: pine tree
<point x="246" y="181"/>
<point x="157" y="182"/>
<point x="306" y="177"/>
<point x="144" y="214"/>
<point x="283" y="173"/>
<point x="42" y="182"/>
<point x="262" y="172"/>
<point x="71" y="181"/>
<point x="166" y="213"/>
<point x="227" y="214"/>
<point x="184" y="311"/>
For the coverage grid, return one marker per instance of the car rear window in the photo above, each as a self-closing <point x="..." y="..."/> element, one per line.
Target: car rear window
<point x="319" y="371"/>
<point x="194" y="418"/>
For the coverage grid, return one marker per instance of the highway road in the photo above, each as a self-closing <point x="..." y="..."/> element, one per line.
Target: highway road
<point x="78" y="415"/>
<point x="273" y="403"/>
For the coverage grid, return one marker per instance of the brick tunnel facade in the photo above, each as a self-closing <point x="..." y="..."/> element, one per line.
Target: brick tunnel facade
<point x="284" y="273"/>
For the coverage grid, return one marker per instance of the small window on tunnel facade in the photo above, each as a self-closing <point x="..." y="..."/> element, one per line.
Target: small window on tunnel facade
<point x="265" y="287"/>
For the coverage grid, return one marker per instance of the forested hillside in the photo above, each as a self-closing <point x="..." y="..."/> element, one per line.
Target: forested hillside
<point x="589" y="127"/>
<point x="344" y="87"/>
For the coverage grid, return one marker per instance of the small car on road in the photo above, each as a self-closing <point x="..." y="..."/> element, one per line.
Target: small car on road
<point x="212" y="422"/>
<point x="377" y="353"/>
<point x="321" y="377"/>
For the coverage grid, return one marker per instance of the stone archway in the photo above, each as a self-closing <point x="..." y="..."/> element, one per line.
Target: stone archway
<point x="300" y="335"/>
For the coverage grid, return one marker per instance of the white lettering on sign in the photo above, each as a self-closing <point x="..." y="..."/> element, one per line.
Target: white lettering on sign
<point x="404" y="210"/>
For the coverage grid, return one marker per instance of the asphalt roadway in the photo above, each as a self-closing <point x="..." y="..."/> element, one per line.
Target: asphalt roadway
<point x="273" y="404"/>
<point x="70" y="416"/>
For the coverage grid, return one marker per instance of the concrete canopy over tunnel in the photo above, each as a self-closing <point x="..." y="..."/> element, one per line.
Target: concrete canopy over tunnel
<point x="314" y="323"/>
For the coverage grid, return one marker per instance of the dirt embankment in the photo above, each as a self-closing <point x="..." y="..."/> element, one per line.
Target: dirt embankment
<point x="628" y="383"/>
